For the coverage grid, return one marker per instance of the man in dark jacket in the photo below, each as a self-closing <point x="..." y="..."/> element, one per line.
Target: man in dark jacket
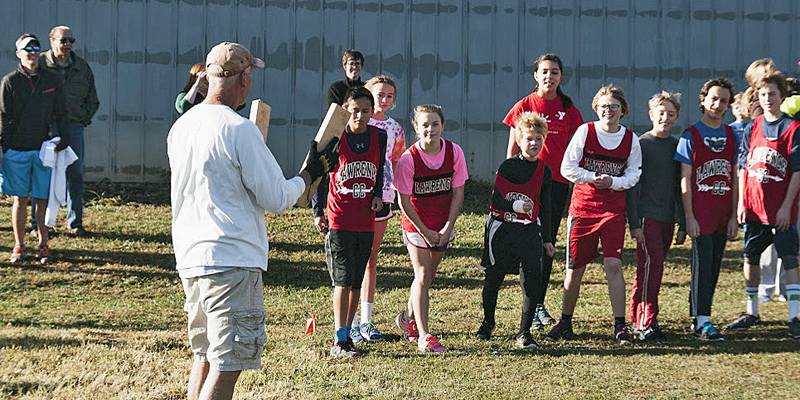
<point x="30" y="99"/>
<point x="82" y="104"/>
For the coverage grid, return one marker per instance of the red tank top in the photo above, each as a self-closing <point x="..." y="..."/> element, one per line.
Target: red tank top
<point x="432" y="193"/>
<point x="529" y="190"/>
<point x="351" y="186"/>
<point x="711" y="180"/>
<point x="768" y="173"/>
<point x="589" y="201"/>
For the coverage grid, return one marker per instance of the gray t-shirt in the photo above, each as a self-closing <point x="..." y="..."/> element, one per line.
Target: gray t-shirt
<point x="657" y="195"/>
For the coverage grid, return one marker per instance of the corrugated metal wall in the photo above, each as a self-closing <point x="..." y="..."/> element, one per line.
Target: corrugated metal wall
<point x="472" y="57"/>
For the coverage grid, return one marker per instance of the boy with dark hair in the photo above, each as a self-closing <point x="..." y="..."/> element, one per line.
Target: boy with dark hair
<point x="769" y="184"/>
<point x="707" y="151"/>
<point x="354" y="195"/>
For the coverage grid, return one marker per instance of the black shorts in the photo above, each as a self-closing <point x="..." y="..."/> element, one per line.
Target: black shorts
<point x="510" y="246"/>
<point x="347" y="253"/>
<point x="385" y="213"/>
<point x="757" y="237"/>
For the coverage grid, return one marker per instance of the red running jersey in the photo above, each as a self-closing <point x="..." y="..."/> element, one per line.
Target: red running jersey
<point x="529" y="190"/>
<point x="589" y="201"/>
<point x="712" y="183"/>
<point x="433" y="190"/>
<point x="352" y="184"/>
<point x="768" y="174"/>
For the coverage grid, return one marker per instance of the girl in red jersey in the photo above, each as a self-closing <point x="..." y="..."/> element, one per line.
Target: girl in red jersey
<point x="604" y="160"/>
<point x="563" y="118"/>
<point x="430" y="179"/>
<point x="518" y="225"/>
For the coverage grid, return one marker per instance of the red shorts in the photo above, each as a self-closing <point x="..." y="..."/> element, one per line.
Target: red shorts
<point x="584" y="232"/>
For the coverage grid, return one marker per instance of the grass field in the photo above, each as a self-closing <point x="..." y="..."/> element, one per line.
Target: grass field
<point x="106" y="321"/>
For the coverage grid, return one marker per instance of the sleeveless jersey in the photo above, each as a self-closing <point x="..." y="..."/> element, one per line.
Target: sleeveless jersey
<point x="712" y="185"/>
<point x="432" y="191"/>
<point x="351" y="186"/>
<point x="589" y="201"/>
<point x="768" y="173"/>
<point x="529" y="190"/>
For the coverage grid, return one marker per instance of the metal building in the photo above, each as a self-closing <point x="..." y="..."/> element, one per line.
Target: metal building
<point x="471" y="56"/>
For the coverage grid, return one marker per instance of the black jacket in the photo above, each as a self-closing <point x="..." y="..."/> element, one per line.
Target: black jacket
<point x="28" y="104"/>
<point x="337" y="90"/>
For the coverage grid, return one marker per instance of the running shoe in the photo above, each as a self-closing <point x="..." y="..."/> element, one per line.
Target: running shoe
<point x="409" y="328"/>
<point x="794" y="328"/>
<point x="543" y="316"/>
<point x="561" y="330"/>
<point x="370" y="333"/>
<point x="764" y="299"/>
<point x="485" y="331"/>
<point x="708" y="333"/>
<point x="657" y="333"/>
<point x="525" y="340"/>
<point x="344" y="349"/>
<point x="17" y="254"/>
<point x="355" y="334"/>
<point x="744" y="321"/>
<point x="431" y="344"/>
<point x="622" y="335"/>
<point x="646" y="335"/>
<point x="536" y="323"/>
<point x="43" y="255"/>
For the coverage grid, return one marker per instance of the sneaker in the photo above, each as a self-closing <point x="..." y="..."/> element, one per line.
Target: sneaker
<point x="79" y="231"/>
<point x="561" y="330"/>
<point x="485" y="331"/>
<point x="370" y="333"/>
<point x="781" y="298"/>
<point x="536" y="323"/>
<point x="708" y="333"/>
<point x="17" y="254"/>
<point x="794" y="328"/>
<point x="743" y="322"/>
<point x="431" y="344"/>
<point x="344" y="349"/>
<point x="764" y="299"/>
<point x="43" y="255"/>
<point x="543" y="316"/>
<point x="646" y="335"/>
<point x="409" y="328"/>
<point x="622" y="335"/>
<point x="355" y="334"/>
<point x="525" y="340"/>
<point x="657" y="333"/>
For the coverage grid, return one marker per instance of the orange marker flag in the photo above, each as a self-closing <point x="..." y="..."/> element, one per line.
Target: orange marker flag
<point x="311" y="324"/>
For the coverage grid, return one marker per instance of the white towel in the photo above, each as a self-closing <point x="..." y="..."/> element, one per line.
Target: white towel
<point x="58" y="161"/>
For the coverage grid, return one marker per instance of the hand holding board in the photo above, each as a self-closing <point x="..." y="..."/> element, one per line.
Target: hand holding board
<point x="332" y="126"/>
<point x="259" y="114"/>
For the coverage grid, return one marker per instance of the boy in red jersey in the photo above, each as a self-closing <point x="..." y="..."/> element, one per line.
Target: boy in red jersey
<point x="769" y="184"/>
<point x="518" y="224"/>
<point x="706" y="152"/>
<point x="354" y="196"/>
<point x="604" y="160"/>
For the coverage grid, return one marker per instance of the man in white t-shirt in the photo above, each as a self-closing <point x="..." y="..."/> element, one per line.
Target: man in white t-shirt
<point x="223" y="179"/>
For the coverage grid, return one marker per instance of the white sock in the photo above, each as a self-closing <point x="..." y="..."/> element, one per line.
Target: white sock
<point x="366" y="312"/>
<point x="752" y="300"/>
<point x="355" y="320"/>
<point x="702" y="320"/>
<point x="793" y="298"/>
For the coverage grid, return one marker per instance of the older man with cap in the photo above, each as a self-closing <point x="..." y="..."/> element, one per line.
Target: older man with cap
<point x="30" y="100"/>
<point x="82" y="104"/>
<point x="223" y="179"/>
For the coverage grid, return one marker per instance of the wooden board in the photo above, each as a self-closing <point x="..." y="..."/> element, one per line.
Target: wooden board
<point x="259" y="114"/>
<point x="332" y="126"/>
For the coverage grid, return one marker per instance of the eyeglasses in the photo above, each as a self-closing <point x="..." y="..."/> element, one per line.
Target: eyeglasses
<point x="31" y="49"/>
<point x="70" y="39"/>
<point x="612" y="107"/>
<point x="353" y="64"/>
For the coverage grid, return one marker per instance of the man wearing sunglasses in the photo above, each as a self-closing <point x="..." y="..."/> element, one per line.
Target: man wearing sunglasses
<point x="82" y="103"/>
<point x="30" y="100"/>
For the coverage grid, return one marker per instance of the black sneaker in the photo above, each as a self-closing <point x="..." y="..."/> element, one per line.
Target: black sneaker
<point x="525" y="340"/>
<point x="622" y="335"/>
<point x="561" y="330"/>
<point x="744" y="321"/>
<point x="657" y="333"/>
<point x="485" y="331"/>
<point x="794" y="328"/>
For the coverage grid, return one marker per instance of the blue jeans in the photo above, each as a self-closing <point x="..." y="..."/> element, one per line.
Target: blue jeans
<point x="75" y="185"/>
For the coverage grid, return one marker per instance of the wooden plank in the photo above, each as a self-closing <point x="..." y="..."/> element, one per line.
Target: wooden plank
<point x="332" y="126"/>
<point x="259" y="114"/>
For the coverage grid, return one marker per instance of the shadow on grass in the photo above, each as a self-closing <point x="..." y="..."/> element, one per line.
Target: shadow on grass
<point x="24" y="387"/>
<point x="36" y="342"/>
<point x="94" y="323"/>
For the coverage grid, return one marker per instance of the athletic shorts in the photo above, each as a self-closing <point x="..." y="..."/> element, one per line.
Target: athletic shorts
<point x="347" y="253"/>
<point x="417" y="240"/>
<point x="24" y="175"/>
<point x="584" y="233"/>
<point x="385" y="213"/>
<point x="226" y="318"/>
<point x="508" y="245"/>
<point x="757" y="237"/>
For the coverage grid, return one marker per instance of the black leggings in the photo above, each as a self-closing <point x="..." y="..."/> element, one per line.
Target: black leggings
<point x="707" y="251"/>
<point x="559" y="200"/>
